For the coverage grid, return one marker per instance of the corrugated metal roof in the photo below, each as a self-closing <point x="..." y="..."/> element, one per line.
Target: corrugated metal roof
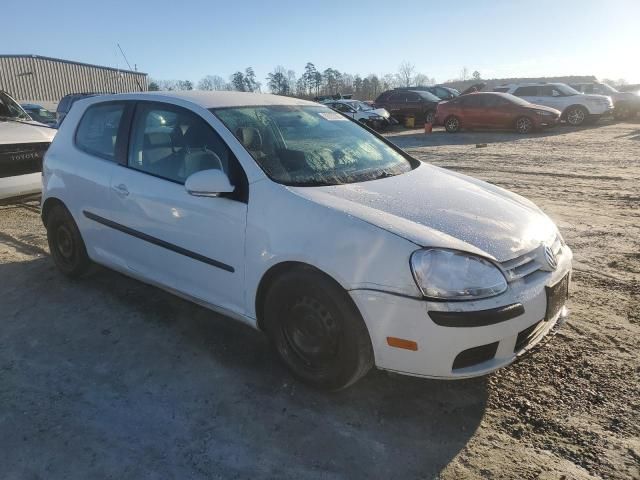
<point x="69" y="61"/>
<point x="45" y="79"/>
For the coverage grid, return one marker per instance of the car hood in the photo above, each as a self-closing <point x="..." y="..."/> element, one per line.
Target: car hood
<point x="434" y="207"/>
<point x="378" y="111"/>
<point x="593" y="96"/>
<point x="24" y="132"/>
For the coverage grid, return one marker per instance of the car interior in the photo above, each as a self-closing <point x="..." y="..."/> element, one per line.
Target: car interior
<point x="180" y="146"/>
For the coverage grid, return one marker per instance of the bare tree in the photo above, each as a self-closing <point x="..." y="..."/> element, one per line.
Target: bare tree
<point x="464" y="73"/>
<point x="421" y="80"/>
<point x="405" y="74"/>
<point x="213" y="82"/>
<point x="476" y="75"/>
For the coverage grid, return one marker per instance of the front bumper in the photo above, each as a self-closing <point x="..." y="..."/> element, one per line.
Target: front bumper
<point x="546" y="121"/>
<point x="440" y="348"/>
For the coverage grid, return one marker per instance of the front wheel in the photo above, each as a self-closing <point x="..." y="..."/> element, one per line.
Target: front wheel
<point x="317" y="330"/>
<point x="622" y="111"/>
<point x="65" y="243"/>
<point x="524" y="125"/>
<point x="576" y="115"/>
<point x="452" y="124"/>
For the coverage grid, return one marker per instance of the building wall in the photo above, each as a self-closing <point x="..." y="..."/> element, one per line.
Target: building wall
<point x="43" y="79"/>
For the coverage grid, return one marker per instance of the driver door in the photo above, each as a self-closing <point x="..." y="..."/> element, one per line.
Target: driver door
<point x="191" y="244"/>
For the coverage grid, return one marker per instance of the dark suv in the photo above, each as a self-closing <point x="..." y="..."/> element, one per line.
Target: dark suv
<point x="443" y="93"/>
<point x="402" y="104"/>
<point x="67" y="101"/>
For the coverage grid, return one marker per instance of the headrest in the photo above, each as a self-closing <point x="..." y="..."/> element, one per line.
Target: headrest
<point x="249" y="137"/>
<point x="158" y="139"/>
<point x="197" y="135"/>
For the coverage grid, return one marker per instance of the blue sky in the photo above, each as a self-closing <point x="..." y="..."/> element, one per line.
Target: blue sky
<point x="190" y="39"/>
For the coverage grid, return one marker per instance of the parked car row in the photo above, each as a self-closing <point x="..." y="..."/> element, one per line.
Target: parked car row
<point x="521" y="108"/>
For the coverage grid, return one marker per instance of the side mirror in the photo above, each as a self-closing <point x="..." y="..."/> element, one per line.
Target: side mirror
<point x="208" y="183"/>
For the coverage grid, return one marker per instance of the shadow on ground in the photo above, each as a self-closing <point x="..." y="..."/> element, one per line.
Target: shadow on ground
<point x="107" y="377"/>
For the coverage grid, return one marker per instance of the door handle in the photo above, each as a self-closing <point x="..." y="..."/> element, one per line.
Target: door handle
<point x="121" y="190"/>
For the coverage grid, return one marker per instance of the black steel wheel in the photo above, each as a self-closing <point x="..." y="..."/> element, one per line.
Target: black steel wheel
<point x="65" y="243"/>
<point x="317" y="330"/>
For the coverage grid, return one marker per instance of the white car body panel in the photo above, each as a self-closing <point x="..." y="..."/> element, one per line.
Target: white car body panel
<point x="362" y="235"/>
<point x="15" y="133"/>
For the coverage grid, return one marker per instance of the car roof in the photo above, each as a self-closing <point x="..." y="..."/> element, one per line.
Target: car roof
<point x="531" y="84"/>
<point x="209" y="99"/>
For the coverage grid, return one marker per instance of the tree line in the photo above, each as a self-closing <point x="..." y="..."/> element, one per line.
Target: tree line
<point x="312" y="82"/>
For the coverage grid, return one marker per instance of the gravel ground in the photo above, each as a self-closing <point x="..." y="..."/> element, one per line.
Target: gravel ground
<point x="109" y="378"/>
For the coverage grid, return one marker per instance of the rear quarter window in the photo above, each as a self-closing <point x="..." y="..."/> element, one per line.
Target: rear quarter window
<point x="527" y="91"/>
<point x="97" y="131"/>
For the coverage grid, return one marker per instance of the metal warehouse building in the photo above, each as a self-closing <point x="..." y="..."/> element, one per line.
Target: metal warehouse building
<point x="32" y="78"/>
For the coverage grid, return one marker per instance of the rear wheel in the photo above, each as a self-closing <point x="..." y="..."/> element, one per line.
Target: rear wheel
<point x="317" y="330"/>
<point x="576" y="115"/>
<point x="65" y="243"/>
<point x="452" y="124"/>
<point x="429" y="116"/>
<point x="524" y="125"/>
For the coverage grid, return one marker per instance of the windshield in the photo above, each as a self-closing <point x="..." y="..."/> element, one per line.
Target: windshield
<point x="608" y="88"/>
<point x="428" y="96"/>
<point x="40" y="113"/>
<point x="10" y="109"/>
<point x="311" y="145"/>
<point x="566" y="89"/>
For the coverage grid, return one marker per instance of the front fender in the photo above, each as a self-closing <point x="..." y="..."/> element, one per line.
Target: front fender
<point x="355" y="253"/>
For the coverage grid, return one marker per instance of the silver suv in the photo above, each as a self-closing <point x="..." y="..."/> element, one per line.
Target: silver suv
<point x="576" y="107"/>
<point x="626" y="104"/>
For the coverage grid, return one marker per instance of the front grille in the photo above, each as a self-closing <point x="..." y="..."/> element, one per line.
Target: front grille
<point x="528" y="335"/>
<point x="530" y="262"/>
<point x="21" y="158"/>
<point x="475" y="355"/>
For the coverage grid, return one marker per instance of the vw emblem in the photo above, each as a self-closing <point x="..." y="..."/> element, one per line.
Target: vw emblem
<point x="550" y="257"/>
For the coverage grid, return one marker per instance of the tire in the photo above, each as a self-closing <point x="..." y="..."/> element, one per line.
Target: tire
<point x="576" y="115"/>
<point x="622" y="111"/>
<point x="524" y="125"/>
<point x="317" y="330"/>
<point x="65" y="243"/>
<point x="452" y="124"/>
<point x="429" y="116"/>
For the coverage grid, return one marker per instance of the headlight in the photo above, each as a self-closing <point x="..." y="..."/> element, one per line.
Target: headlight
<point x="544" y="113"/>
<point x="452" y="275"/>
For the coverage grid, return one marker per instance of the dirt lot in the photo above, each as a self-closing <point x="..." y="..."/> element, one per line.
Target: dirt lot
<point x="110" y="378"/>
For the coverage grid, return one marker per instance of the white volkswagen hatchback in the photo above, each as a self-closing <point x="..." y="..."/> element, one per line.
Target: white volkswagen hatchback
<point x="286" y="215"/>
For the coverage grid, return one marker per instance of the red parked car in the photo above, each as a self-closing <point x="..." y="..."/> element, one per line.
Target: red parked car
<point x="494" y="110"/>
